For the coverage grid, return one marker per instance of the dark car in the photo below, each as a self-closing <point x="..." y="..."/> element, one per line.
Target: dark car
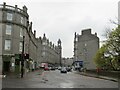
<point x="63" y="70"/>
<point x="52" y="68"/>
<point x="69" y="69"/>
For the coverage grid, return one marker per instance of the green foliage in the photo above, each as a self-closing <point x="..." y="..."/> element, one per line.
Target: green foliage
<point x="99" y="58"/>
<point x="108" y="56"/>
<point x="114" y="42"/>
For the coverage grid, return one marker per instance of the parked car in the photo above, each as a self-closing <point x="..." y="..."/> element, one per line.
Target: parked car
<point x="52" y="68"/>
<point x="49" y="68"/>
<point x="56" y="67"/>
<point x="69" y="69"/>
<point x="63" y="70"/>
<point x="59" y="68"/>
<point x="46" y="68"/>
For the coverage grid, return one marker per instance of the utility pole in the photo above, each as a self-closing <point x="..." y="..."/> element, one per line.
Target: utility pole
<point x="22" y="60"/>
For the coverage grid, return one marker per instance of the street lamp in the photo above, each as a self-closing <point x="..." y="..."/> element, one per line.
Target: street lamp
<point x="22" y="60"/>
<point x="85" y="54"/>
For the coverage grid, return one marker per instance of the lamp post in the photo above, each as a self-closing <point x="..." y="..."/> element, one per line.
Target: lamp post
<point x="22" y="60"/>
<point x="60" y="59"/>
<point x="85" y="55"/>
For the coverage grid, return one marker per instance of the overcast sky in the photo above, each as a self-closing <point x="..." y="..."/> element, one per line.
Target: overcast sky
<point x="62" y="18"/>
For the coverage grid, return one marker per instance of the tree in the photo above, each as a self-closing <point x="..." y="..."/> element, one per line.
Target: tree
<point x="99" y="58"/>
<point x="108" y="56"/>
<point x="113" y="43"/>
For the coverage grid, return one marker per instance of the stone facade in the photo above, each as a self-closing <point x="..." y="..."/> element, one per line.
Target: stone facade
<point x="50" y="52"/>
<point x="67" y="62"/>
<point x="12" y="21"/>
<point x="85" y="48"/>
<point x="14" y="24"/>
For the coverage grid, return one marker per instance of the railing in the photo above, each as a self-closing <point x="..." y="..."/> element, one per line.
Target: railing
<point x="11" y="8"/>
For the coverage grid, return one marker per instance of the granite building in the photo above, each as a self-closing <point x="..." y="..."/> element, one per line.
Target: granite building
<point x="51" y="53"/>
<point x="14" y="25"/>
<point x="85" y="48"/>
<point x="67" y="62"/>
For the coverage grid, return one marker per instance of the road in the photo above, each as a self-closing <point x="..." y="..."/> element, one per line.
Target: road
<point x="54" y="79"/>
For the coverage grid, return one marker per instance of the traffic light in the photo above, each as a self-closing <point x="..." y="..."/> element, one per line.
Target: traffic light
<point x="19" y="56"/>
<point x="26" y="56"/>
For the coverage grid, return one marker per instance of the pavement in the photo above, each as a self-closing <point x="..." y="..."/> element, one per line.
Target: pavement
<point x="2" y="76"/>
<point x="27" y="75"/>
<point x="98" y="76"/>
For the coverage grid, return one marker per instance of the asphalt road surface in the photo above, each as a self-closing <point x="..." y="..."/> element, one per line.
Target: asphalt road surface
<point x="55" y="79"/>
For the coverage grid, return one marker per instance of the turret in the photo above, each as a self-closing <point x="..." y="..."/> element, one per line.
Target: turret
<point x="59" y="42"/>
<point x="60" y="51"/>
